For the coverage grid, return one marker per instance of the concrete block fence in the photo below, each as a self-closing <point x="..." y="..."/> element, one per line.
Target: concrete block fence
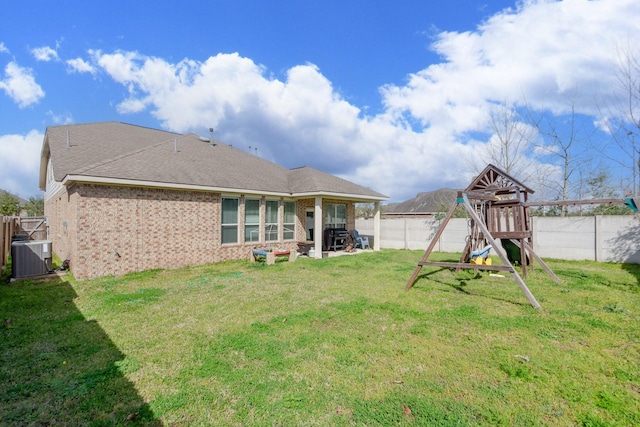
<point x="598" y="238"/>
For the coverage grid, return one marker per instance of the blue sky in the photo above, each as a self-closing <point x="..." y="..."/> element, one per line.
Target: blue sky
<point x="393" y="95"/>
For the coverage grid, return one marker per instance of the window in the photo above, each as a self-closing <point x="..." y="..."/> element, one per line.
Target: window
<point x="271" y="220"/>
<point x="335" y="215"/>
<point x="289" y="232"/>
<point x="229" y="220"/>
<point x="251" y="220"/>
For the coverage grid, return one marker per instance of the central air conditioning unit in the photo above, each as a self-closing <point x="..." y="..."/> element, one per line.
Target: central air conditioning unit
<point x="30" y="258"/>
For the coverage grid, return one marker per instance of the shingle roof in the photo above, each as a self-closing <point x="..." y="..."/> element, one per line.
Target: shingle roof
<point x="113" y="151"/>
<point x="309" y="180"/>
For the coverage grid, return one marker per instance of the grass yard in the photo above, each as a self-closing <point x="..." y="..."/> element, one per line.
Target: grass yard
<point x="332" y="342"/>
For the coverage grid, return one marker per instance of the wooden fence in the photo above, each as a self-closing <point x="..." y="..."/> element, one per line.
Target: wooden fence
<point x="35" y="227"/>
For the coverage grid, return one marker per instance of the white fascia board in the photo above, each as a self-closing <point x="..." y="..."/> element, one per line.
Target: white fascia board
<point x="329" y="195"/>
<point x="44" y="161"/>
<point x="69" y="179"/>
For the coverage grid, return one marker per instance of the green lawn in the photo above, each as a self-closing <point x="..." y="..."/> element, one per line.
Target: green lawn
<point x="333" y="342"/>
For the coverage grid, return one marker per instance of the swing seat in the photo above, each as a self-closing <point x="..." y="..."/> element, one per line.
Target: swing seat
<point x="480" y="261"/>
<point x="481" y="253"/>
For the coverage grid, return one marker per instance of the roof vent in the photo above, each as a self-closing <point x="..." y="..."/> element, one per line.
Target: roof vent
<point x="211" y="138"/>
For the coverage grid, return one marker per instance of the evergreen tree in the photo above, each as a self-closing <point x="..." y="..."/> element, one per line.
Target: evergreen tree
<point x="35" y="206"/>
<point x="9" y="204"/>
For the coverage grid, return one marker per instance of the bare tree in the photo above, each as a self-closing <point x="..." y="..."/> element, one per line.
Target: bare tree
<point x="567" y="143"/>
<point x="629" y="76"/>
<point x="510" y="141"/>
<point x="509" y="146"/>
<point x="600" y="186"/>
<point x="365" y="210"/>
<point x="624" y="121"/>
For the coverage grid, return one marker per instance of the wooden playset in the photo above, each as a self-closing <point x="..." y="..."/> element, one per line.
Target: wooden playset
<point x="496" y="204"/>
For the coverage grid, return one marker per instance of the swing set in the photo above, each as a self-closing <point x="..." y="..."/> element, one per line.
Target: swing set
<point x="496" y="205"/>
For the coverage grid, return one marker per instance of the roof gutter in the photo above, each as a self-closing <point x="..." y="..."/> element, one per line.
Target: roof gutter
<point x="328" y="194"/>
<point x="71" y="179"/>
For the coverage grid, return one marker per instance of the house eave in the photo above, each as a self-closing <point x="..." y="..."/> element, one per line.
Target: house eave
<point x="71" y="179"/>
<point x="340" y="196"/>
<point x="44" y="160"/>
<point x="359" y="198"/>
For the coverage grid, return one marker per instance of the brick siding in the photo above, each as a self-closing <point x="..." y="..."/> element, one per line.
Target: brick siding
<point x="109" y="230"/>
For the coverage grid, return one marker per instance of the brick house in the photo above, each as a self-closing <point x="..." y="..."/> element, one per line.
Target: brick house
<point x="122" y="198"/>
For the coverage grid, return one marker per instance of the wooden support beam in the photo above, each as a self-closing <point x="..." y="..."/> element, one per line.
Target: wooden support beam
<point x="501" y="254"/>
<point x="521" y="233"/>
<point x="578" y="202"/>
<point x="435" y="239"/>
<point x="535" y="256"/>
<point x="467" y="265"/>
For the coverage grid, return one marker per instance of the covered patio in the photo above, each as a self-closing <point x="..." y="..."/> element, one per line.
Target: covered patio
<point x="328" y="217"/>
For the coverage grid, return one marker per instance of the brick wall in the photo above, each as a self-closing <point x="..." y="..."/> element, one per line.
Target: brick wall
<point x="107" y="230"/>
<point x="61" y="211"/>
<point x="127" y="229"/>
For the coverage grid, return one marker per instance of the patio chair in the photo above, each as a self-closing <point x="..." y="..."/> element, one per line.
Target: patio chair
<point x="361" y="241"/>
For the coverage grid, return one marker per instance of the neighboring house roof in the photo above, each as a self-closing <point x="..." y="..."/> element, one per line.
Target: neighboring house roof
<point x="425" y="203"/>
<point x="120" y="153"/>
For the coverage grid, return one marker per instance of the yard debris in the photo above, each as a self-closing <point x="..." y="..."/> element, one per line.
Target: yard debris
<point x="64" y="266"/>
<point x="6" y="323"/>
<point x="132" y="416"/>
<point x="407" y="410"/>
<point x="398" y="382"/>
<point x="524" y="358"/>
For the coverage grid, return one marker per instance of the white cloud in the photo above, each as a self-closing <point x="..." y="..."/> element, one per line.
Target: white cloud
<point x="3" y="48"/>
<point x="45" y="54"/>
<point x="285" y="119"/>
<point x="131" y="105"/>
<point x="20" y="163"/>
<point x="20" y="85"/>
<point x="79" y="65"/>
<point x="540" y="52"/>
<point x="60" y="119"/>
